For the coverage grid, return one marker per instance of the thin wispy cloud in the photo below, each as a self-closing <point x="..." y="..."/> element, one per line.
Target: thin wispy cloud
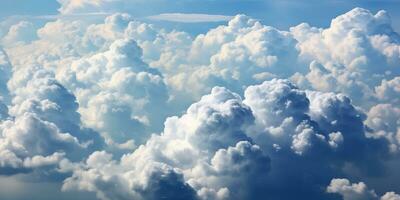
<point x="77" y="15"/>
<point x="189" y="17"/>
<point x="60" y="16"/>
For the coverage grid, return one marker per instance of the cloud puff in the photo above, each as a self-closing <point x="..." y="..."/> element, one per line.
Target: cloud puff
<point x="113" y="181"/>
<point x="356" y="191"/>
<point x="43" y="126"/>
<point x="383" y="120"/>
<point x="119" y="94"/>
<point x="29" y="142"/>
<point x="348" y="56"/>
<point x="132" y="95"/>
<point x="389" y="90"/>
<point x="21" y="32"/>
<point x="242" y="53"/>
<point x="195" y="146"/>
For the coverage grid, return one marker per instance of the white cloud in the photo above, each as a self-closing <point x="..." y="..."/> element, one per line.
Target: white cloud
<point x="350" y="55"/>
<point x="119" y="94"/>
<point x="20" y="33"/>
<point x="357" y="191"/>
<point x="122" y="77"/>
<point x="383" y="120"/>
<point x="219" y="143"/>
<point x="192" y="144"/>
<point x="389" y="90"/>
<point x="42" y="127"/>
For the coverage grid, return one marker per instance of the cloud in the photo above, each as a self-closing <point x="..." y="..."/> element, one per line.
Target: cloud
<point x="383" y="122"/>
<point x="109" y="180"/>
<point x="356" y="191"/>
<point x="114" y="69"/>
<point x="5" y="74"/>
<point x="194" y="143"/>
<point x="223" y="140"/>
<point x="42" y="126"/>
<point x="131" y="96"/>
<point x="22" y="32"/>
<point x="389" y="90"/>
<point x="189" y="17"/>
<point x="281" y="112"/>
<point x="346" y="55"/>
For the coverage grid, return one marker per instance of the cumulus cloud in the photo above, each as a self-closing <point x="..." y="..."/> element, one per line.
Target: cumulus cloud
<point x="119" y="94"/>
<point x="347" y="56"/>
<point x="388" y="91"/>
<point x="356" y="191"/>
<point x="42" y="126"/>
<point x="222" y="141"/>
<point x="197" y="147"/>
<point x="111" y="76"/>
<point x="21" y="32"/>
<point x="383" y="120"/>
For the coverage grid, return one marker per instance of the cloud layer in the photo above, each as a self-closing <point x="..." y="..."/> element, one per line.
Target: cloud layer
<point x="126" y="110"/>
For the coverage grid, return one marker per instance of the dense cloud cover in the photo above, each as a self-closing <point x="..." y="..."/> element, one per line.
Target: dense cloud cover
<point x="126" y="110"/>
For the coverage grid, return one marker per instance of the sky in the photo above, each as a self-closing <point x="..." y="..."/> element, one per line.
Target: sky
<point x="199" y="99"/>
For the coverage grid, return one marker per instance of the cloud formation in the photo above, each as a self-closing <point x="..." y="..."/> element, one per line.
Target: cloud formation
<point x="222" y="141"/>
<point x="85" y="103"/>
<point x="355" y="191"/>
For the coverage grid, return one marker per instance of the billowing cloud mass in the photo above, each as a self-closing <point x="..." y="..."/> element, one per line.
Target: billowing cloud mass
<point x="124" y="109"/>
<point x="224" y="147"/>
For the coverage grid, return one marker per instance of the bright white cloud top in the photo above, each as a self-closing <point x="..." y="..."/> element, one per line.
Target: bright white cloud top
<point x="123" y="109"/>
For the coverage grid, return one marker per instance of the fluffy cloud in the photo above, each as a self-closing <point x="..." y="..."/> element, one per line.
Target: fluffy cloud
<point x="383" y="120"/>
<point x="355" y="191"/>
<point x="221" y="141"/>
<point x="348" y="56"/>
<point x="197" y="147"/>
<point x="43" y="126"/>
<point x="119" y="94"/>
<point x="351" y="56"/>
<point x="110" y="76"/>
<point x="113" y="181"/>
<point x="242" y="53"/>
<point x="21" y="32"/>
<point x="389" y="91"/>
<point x="30" y="142"/>
<point x="74" y="84"/>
